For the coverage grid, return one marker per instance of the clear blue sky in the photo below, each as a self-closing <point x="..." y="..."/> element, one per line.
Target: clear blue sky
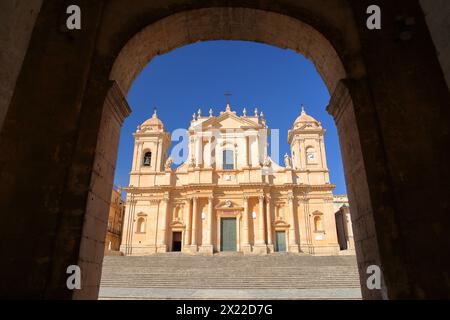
<point x="275" y="80"/>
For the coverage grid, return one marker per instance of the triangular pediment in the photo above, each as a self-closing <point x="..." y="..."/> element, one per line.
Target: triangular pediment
<point x="178" y="223"/>
<point x="228" y="120"/>
<point x="280" y="223"/>
<point x="228" y="205"/>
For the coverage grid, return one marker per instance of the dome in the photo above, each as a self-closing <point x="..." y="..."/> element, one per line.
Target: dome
<point x="153" y="121"/>
<point x="152" y="124"/>
<point x="305" y="118"/>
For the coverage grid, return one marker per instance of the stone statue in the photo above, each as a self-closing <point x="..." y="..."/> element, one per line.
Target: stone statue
<point x="267" y="162"/>
<point x="287" y="161"/>
<point x="192" y="162"/>
<point x="168" y="165"/>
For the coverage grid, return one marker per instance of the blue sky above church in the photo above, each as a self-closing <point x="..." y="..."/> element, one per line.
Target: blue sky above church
<point x="274" y="80"/>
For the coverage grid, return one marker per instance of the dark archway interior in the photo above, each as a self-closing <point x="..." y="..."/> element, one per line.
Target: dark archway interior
<point x="389" y="120"/>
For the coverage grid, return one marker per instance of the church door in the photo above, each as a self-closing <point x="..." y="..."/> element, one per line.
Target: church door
<point x="281" y="241"/>
<point x="176" y="241"/>
<point x="228" y="234"/>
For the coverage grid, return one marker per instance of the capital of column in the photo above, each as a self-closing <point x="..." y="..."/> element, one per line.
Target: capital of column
<point x="290" y="198"/>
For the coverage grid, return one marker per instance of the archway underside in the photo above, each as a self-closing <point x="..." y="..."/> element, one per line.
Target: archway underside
<point x="227" y="24"/>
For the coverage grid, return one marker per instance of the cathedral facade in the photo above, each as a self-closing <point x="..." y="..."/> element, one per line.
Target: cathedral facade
<point x="229" y="195"/>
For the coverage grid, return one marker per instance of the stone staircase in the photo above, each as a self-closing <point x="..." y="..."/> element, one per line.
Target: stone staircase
<point x="230" y="276"/>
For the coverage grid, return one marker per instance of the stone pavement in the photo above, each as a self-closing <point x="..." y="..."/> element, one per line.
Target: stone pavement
<point x="275" y="276"/>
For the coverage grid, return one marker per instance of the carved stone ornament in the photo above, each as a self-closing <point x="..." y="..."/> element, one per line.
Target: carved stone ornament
<point x="168" y="164"/>
<point x="287" y="161"/>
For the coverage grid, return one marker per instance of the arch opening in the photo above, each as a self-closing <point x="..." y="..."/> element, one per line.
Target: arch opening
<point x="259" y="26"/>
<point x="210" y="24"/>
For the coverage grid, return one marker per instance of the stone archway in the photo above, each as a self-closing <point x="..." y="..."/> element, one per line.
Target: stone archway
<point x="262" y="26"/>
<point x="377" y="88"/>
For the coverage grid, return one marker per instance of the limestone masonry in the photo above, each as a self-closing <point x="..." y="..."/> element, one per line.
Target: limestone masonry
<point x="229" y="195"/>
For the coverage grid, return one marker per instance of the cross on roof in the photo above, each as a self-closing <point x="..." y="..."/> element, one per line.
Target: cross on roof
<point x="228" y="95"/>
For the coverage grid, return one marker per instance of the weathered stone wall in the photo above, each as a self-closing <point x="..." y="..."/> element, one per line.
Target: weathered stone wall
<point x="402" y="111"/>
<point x="437" y="15"/>
<point x="366" y="240"/>
<point x="17" y="19"/>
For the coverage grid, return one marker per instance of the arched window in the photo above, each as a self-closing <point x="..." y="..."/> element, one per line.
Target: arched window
<point x="311" y="155"/>
<point x="140" y="226"/>
<point x="147" y="159"/>
<point x="228" y="159"/>
<point x="318" y="226"/>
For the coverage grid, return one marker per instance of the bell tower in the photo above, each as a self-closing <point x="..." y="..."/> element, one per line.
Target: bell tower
<point x="306" y="138"/>
<point x="151" y="145"/>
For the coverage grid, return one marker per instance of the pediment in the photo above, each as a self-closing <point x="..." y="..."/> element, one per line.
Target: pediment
<point x="177" y="224"/>
<point x="228" y="120"/>
<point x="281" y="224"/>
<point x="228" y="205"/>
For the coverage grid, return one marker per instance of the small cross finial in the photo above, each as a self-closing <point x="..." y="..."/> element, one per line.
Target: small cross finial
<point x="228" y="94"/>
<point x="154" y="112"/>
<point x="303" y="108"/>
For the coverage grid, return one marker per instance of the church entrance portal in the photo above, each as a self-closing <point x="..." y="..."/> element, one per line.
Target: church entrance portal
<point x="228" y="234"/>
<point x="176" y="241"/>
<point x="281" y="241"/>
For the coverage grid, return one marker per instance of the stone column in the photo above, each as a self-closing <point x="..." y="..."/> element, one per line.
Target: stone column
<point x="258" y="151"/>
<point x="348" y="227"/>
<point x="194" y="224"/>
<point x="162" y="226"/>
<point x="246" y="248"/>
<point x="304" y="225"/>
<point x="260" y="244"/>
<point x="207" y="247"/>
<point x="198" y="151"/>
<point x="269" y="225"/>
<point x="208" y="158"/>
<point x="210" y="219"/>
<point x="246" y="164"/>
<point x="126" y="244"/>
<point x="187" y="230"/>
<point x="293" y="242"/>
<point x="302" y="154"/>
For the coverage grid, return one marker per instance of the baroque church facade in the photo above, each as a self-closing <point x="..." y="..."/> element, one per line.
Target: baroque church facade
<point x="229" y="195"/>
